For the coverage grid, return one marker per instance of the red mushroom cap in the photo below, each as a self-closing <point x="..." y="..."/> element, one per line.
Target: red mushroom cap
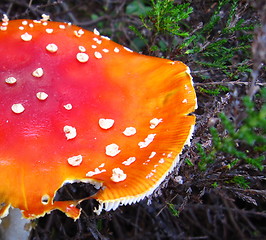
<point x="76" y="106"/>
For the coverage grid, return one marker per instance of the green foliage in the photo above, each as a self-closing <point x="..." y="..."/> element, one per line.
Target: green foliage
<point x="188" y="162"/>
<point x="245" y="144"/>
<point x="217" y="49"/>
<point x="229" y="28"/>
<point x="205" y="158"/>
<point x="241" y="181"/>
<point x="169" y="33"/>
<point x="165" y="16"/>
<point x="173" y="210"/>
<point x="214" y="91"/>
<point x="161" y="18"/>
<point x="137" y="7"/>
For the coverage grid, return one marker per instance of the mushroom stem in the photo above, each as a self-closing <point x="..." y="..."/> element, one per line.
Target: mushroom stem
<point x="13" y="226"/>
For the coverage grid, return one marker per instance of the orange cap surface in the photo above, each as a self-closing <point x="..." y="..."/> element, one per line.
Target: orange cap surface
<point x="76" y="106"/>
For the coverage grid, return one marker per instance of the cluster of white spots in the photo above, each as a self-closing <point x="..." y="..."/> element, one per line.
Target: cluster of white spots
<point x="154" y="122"/>
<point x="129" y="131"/>
<point x="70" y="132"/>
<point x="51" y="47"/>
<point x="38" y="73"/>
<point x="152" y="155"/>
<point x="106" y="38"/>
<point x="147" y="141"/>
<point x="98" y="55"/>
<point x="5" y="24"/>
<point x="75" y="160"/>
<point x="118" y="175"/>
<point x="17" y="108"/>
<point x="45" y="17"/>
<point x="26" y="37"/>
<point x="96" y="171"/>
<point x="102" y="165"/>
<point x="112" y="150"/>
<point x="82" y="57"/>
<point x="97" y="40"/>
<point x="149" y="175"/>
<point x="146" y="162"/>
<point x="82" y="49"/>
<point x="10" y="80"/>
<point x="45" y="199"/>
<point x="129" y="161"/>
<point x="161" y="160"/>
<point x="5" y="18"/>
<point x="68" y="106"/>
<point x="41" y="95"/>
<point x="96" y="32"/>
<point x="49" y="30"/>
<point x="128" y="49"/>
<point x="106" y="123"/>
<point x="61" y="26"/>
<point x="184" y="101"/>
<point x="78" y="33"/>
<point x="25" y="22"/>
<point x="3" y="28"/>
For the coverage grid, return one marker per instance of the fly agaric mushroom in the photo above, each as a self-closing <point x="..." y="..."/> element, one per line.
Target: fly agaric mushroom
<point x="77" y="107"/>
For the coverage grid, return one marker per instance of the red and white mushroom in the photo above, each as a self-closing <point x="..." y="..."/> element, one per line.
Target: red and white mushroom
<point x="76" y="106"/>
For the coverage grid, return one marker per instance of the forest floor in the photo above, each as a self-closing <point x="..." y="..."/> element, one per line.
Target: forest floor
<point x="221" y="192"/>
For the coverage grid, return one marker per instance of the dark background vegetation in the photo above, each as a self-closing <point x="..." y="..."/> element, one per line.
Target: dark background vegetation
<point x="219" y="190"/>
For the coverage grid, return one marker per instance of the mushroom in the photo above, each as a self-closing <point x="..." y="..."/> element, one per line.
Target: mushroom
<point x="76" y="106"/>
